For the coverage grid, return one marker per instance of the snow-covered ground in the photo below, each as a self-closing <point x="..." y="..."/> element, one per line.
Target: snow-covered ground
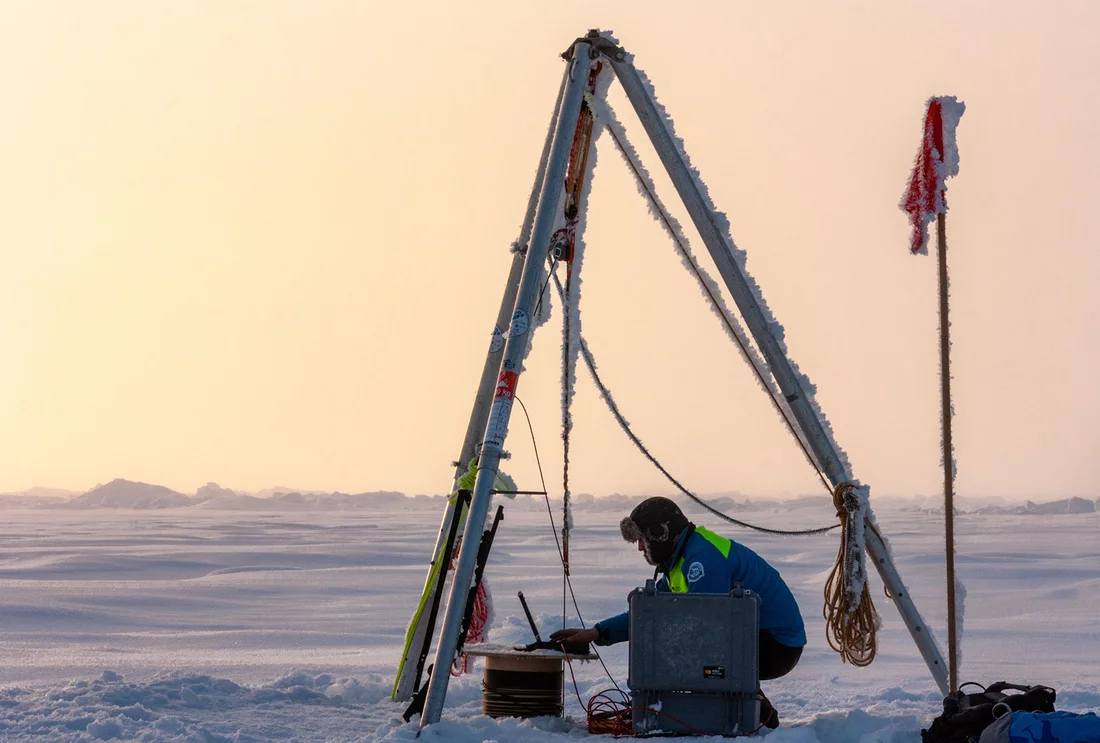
<point x="193" y="624"/>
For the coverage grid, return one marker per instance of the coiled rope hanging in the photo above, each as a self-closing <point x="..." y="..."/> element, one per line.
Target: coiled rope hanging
<point x="850" y="620"/>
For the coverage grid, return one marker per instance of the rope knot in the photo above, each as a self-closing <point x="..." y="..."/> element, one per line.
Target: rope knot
<point x="846" y="499"/>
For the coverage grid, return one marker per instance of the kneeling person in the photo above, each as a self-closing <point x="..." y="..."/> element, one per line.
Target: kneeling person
<point x="693" y="559"/>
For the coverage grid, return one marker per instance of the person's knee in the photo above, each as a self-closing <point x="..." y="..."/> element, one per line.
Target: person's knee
<point x="779" y="661"/>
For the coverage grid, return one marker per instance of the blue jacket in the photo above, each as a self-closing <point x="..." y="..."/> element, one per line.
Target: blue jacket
<point x="704" y="562"/>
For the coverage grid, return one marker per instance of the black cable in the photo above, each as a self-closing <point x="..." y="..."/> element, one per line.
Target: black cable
<point x="554" y="528"/>
<point x="606" y="394"/>
<point x="659" y="208"/>
<point x="542" y="291"/>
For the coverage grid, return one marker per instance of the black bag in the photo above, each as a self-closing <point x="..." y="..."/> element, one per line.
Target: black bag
<point x="965" y="715"/>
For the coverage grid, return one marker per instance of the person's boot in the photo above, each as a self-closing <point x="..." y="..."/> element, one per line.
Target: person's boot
<point x="769" y="718"/>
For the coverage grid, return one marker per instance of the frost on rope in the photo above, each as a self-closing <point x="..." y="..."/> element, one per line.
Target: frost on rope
<point x="571" y="337"/>
<point x="722" y="225"/>
<point x="856" y="567"/>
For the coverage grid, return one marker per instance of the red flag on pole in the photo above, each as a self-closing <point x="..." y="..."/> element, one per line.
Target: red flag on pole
<point x="937" y="158"/>
<point x="925" y="201"/>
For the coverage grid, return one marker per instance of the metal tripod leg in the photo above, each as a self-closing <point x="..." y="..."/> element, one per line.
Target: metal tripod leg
<point x="416" y="635"/>
<point x="908" y="610"/>
<point x="515" y="350"/>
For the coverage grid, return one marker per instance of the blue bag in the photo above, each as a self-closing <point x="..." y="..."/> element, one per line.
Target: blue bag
<point x="1043" y="727"/>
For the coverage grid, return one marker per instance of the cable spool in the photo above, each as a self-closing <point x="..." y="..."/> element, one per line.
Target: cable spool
<point x="522" y="687"/>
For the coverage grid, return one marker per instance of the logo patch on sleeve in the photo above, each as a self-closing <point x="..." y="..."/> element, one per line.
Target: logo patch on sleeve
<point x="695" y="572"/>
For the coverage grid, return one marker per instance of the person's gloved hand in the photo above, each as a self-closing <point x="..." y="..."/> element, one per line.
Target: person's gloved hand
<point x="575" y="634"/>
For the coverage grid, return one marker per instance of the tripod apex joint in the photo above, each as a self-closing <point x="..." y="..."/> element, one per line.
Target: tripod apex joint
<point x="599" y="45"/>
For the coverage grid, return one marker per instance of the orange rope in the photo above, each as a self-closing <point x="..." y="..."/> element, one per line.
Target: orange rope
<point x="849" y="629"/>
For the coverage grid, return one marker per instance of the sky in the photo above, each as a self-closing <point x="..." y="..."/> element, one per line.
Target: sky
<point x="264" y="243"/>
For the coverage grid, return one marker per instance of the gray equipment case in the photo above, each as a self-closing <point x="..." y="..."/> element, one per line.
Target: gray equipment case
<point x="693" y="657"/>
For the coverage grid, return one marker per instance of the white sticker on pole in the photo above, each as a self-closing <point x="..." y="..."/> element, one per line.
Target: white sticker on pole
<point x="519" y="324"/>
<point x="502" y="408"/>
<point x="497" y="342"/>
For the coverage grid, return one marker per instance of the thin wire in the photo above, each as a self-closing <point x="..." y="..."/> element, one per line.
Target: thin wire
<point x="542" y="291"/>
<point x="717" y="305"/>
<point x="554" y="528"/>
<point x="566" y="422"/>
<point x="606" y="394"/>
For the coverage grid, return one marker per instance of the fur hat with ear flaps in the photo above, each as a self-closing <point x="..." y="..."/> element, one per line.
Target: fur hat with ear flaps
<point x="657" y="522"/>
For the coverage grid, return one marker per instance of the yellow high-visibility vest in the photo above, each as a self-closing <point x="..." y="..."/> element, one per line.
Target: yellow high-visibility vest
<point x="677" y="583"/>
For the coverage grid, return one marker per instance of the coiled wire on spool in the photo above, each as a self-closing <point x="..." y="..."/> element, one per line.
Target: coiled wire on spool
<point x="532" y="692"/>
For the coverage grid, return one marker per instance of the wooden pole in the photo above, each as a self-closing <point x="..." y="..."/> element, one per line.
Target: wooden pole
<point x="948" y="454"/>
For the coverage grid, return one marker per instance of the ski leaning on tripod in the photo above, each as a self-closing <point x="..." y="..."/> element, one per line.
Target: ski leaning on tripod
<point x="692" y="559"/>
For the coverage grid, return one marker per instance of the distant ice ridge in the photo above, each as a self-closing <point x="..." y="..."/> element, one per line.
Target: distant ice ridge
<point x="123" y="494"/>
<point x="120" y="493"/>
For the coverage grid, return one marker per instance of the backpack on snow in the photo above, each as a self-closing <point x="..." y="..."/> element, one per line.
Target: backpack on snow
<point x="965" y="715"/>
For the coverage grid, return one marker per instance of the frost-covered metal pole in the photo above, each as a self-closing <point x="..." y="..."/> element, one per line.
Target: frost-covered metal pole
<point x="946" y="411"/>
<point x="925" y="200"/>
<point x="781" y="368"/>
<point x="479" y="416"/>
<point x="515" y="350"/>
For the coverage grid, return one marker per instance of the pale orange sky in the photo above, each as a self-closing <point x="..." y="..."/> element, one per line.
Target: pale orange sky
<point x="264" y="243"/>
